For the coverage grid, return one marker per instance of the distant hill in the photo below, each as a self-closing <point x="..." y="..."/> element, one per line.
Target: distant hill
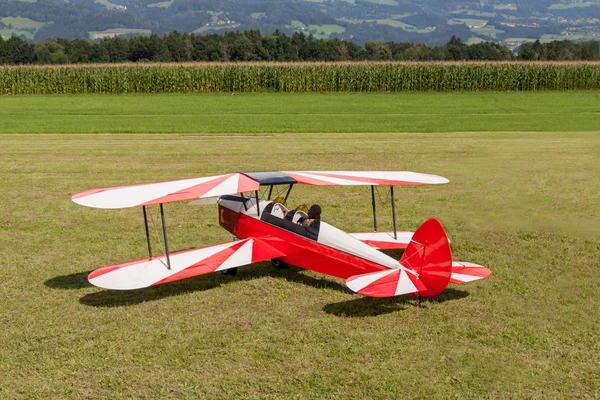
<point x="509" y="22"/>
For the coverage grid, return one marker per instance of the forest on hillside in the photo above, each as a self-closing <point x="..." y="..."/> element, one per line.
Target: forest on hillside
<point x="252" y="46"/>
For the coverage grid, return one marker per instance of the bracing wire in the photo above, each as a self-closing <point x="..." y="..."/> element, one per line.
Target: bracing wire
<point x="154" y="236"/>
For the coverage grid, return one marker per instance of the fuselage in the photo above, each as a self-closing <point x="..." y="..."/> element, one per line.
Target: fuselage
<point x="325" y="249"/>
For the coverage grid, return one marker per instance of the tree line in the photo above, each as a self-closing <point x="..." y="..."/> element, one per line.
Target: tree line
<point x="252" y="46"/>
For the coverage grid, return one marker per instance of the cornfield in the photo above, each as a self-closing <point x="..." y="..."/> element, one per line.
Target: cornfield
<point x="299" y="77"/>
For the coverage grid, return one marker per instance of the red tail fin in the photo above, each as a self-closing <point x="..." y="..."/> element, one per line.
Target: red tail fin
<point x="429" y="255"/>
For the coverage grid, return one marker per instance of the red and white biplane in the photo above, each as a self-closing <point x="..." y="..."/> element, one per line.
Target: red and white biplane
<point x="268" y="231"/>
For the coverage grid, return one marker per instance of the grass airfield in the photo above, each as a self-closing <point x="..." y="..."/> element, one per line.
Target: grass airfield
<point x="522" y="199"/>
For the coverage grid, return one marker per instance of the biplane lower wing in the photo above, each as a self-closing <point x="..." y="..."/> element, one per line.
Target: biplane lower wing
<point x="183" y="264"/>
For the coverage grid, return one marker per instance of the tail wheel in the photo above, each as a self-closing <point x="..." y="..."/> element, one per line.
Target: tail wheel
<point x="277" y="263"/>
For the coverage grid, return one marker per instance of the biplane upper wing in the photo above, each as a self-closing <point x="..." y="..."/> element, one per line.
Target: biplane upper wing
<point x="214" y="186"/>
<point x="183" y="264"/>
<point x="166" y="192"/>
<point x="374" y="178"/>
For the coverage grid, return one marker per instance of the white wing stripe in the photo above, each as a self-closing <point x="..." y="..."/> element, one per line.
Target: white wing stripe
<point x="465" y="278"/>
<point x="146" y="273"/>
<point x="230" y="185"/>
<point x="135" y="195"/>
<point x="405" y="176"/>
<point x="242" y="256"/>
<point x="332" y="180"/>
<point x="405" y="285"/>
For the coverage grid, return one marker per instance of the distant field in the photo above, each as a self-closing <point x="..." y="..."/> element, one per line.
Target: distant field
<point x="118" y="31"/>
<point x="20" y="26"/>
<point x="480" y="13"/>
<point x="162" y="4"/>
<point x="318" y="31"/>
<point x="107" y="4"/>
<point x="326" y="30"/>
<point x="207" y="28"/>
<point x="501" y="7"/>
<point x="384" y="2"/>
<point x="488" y="30"/>
<point x="470" y="22"/>
<point x="562" y="6"/>
<point x="523" y="203"/>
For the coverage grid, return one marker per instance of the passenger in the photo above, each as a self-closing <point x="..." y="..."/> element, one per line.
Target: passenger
<point x="280" y="200"/>
<point x="290" y="215"/>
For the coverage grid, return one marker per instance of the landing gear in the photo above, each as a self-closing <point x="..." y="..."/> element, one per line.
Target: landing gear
<point x="421" y="305"/>
<point x="230" y="272"/>
<point x="277" y="263"/>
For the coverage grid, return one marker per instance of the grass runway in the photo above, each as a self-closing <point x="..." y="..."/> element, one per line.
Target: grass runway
<point x="522" y="200"/>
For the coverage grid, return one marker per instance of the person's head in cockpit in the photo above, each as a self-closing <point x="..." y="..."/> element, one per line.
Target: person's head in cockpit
<point x="314" y="212"/>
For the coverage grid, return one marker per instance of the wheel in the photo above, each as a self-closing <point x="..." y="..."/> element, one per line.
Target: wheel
<point x="231" y="272"/>
<point x="277" y="263"/>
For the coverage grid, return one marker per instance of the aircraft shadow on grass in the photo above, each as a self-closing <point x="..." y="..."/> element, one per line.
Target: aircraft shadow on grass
<point x="116" y="298"/>
<point x="372" y="307"/>
<point x="77" y="280"/>
<point x="357" y="307"/>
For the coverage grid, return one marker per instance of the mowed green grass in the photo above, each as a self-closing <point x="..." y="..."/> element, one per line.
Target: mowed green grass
<point x="301" y="113"/>
<point x="523" y="203"/>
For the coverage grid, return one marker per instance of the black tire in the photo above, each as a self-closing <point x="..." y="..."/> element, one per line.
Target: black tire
<point x="277" y="263"/>
<point x="230" y="272"/>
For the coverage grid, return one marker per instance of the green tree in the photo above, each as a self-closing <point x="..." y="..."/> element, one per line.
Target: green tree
<point x="378" y="51"/>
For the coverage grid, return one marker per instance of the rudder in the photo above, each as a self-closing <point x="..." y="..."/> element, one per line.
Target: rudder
<point x="429" y="255"/>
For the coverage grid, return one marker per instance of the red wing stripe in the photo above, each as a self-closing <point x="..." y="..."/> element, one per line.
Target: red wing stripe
<point x="303" y="180"/>
<point x="371" y="181"/>
<point x="385" y="245"/>
<point x="419" y="285"/>
<point x="383" y="287"/>
<point x="184" y="264"/>
<point x="165" y="192"/>
<point x="146" y="272"/>
<point x="193" y="192"/>
<point x="387" y="178"/>
<point x="205" y="266"/>
<point x="393" y="282"/>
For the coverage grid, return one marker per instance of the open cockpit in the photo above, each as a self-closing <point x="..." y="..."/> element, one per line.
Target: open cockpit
<point x="295" y="221"/>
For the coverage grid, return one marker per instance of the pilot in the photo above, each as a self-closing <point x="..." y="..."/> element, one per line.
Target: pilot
<point x="280" y="200"/>
<point x="314" y="214"/>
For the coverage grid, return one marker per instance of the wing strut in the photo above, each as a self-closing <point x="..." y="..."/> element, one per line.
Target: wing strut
<point x="374" y="213"/>
<point x="393" y="212"/>
<point x="147" y="232"/>
<point x="164" y="226"/>
<point x="289" y="190"/>
<point x="257" y="206"/>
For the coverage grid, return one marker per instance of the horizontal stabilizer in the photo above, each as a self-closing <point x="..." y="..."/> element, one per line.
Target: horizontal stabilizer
<point x="463" y="272"/>
<point x="184" y="264"/>
<point x="385" y="240"/>
<point x="388" y="283"/>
